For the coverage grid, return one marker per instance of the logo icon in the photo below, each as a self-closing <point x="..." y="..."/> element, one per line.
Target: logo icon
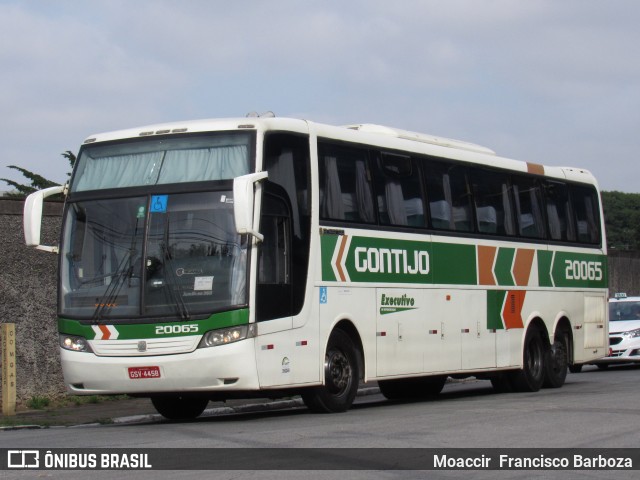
<point x="23" y="459"/>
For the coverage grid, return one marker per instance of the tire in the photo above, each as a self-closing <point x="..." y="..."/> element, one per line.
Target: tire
<point x="179" y="408"/>
<point x="341" y="377"/>
<point x="531" y="377"/>
<point x="556" y="363"/>
<point x="575" y="368"/>
<point x="412" y="388"/>
<point x="602" y="366"/>
<point x="501" y="382"/>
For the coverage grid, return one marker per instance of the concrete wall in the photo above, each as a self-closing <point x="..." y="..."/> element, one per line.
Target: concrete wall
<point x="28" y="296"/>
<point x="624" y="272"/>
<point x="28" y="299"/>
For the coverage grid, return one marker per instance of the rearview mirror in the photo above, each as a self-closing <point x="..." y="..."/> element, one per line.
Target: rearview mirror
<point x="32" y="217"/>
<point x="243" y="203"/>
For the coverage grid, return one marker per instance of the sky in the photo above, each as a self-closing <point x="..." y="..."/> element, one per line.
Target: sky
<point x="546" y="81"/>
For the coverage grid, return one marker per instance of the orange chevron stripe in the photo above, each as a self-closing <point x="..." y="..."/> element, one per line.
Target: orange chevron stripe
<point x="486" y="256"/>
<point x="522" y="266"/>
<point x="343" y="243"/>
<point x="106" y="334"/>
<point x="512" y="311"/>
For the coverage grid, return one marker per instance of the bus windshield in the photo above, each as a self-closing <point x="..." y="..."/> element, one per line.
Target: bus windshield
<point x="157" y="255"/>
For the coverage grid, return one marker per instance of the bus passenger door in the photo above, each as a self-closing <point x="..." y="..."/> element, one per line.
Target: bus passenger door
<point x="274" y="291"/>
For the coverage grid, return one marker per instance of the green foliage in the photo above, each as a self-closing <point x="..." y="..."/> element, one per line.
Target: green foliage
<point x="36" y="182"/>
<point x="622" y="220"/>
<point x="38" y="403"/>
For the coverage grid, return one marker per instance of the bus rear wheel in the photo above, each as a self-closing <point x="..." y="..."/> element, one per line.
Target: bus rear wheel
<point x="412" y="388"/>
<point x="556" y="363"/>
<point x="575" y="368"/>
<point x="531" y="377"/>
<point x="179" y="408"/>
<point x="341" y="377"/>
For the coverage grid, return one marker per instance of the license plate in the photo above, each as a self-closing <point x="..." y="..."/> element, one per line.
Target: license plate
<point x="144" y="372"/>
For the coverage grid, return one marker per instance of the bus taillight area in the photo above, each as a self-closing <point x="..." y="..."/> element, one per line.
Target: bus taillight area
<point x="202" y="370"/>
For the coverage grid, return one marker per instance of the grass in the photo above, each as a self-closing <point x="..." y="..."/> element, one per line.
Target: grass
<point x="46" y="410"/>
<point x="38" y="403"/>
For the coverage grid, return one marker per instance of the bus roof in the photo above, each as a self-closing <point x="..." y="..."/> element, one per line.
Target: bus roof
<point x="369" y="134"/>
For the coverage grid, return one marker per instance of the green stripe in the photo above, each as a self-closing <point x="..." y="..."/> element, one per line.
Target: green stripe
<point x="327" y="246"/>
<point x="544" y="268"/>
<point x="579" y="270"/>
<point x="454" y="264"/>
<point x="148" y="330"/>
<point x="495" y="300"/>
<point x="503" y="266"/>
<point x="390" y="260"/>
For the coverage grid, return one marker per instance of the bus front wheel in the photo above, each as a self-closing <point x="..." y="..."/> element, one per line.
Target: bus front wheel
<point x="179" y="408"/>
<point x="341" y="377"/>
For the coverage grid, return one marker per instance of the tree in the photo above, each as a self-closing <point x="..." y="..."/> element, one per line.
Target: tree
<point x="622" y="220"/>
<point x="37" y="182"/>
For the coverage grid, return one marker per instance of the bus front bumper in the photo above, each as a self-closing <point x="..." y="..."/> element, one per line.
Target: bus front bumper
<point x="223" y="368"/>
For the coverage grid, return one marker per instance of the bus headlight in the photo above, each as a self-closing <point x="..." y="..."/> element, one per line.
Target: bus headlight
<point x="224" y="336"/>
<point x="75" y="343"/>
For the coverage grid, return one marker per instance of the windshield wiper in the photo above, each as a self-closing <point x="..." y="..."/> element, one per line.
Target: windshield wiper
<point x="178" y="301"/>
<point x="181" y="306"/>
<point x="119" y="278"/>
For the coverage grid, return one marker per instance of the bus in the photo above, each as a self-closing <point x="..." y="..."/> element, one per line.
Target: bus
<point x="267" y="257"/>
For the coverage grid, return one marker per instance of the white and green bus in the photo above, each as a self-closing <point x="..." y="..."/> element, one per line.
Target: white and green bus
<point x="217" y="259"/>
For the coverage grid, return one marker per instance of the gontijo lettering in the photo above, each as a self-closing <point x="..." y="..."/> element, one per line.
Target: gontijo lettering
<point x="395" y="260"/>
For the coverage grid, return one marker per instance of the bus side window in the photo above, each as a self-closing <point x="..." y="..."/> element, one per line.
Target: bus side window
<point x="585" y="207"/>
<point x="398" y="191"/>
<point x="493" y="202"/>
<point x="528" y="203"/>
<point x="449" y="197"/>
<point x="345" y="187"/>
<point x="559" y="218"/>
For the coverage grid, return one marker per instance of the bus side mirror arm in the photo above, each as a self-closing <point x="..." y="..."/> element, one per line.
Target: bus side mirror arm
<point x="32" y="217"/>
<point x="244" y="202"/>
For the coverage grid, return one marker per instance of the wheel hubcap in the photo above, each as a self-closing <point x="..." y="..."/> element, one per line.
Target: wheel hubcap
<point x="337" y="372"/>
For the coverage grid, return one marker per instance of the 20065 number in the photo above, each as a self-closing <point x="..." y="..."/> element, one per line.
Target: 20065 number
<point x="173" y="329"/>
<point x="583" y="270"/>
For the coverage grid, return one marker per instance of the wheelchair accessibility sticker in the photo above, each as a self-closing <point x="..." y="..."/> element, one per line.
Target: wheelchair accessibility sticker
<point x="323" y="295"/>
<point x="159" y="203"/>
